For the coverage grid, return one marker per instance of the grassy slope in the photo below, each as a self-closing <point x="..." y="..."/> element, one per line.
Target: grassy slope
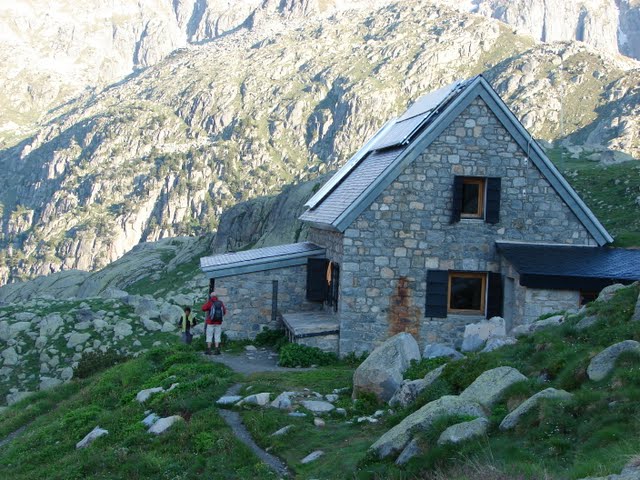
<point x="201" y="446"/>
<point x="609" y="191"/>
<point x="594" y="434"/>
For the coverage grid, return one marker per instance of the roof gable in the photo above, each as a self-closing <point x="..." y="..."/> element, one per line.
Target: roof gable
<point x="356" y="187"/>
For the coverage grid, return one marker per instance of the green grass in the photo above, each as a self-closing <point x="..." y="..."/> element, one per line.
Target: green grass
<point x="594" y="434"/>
<point x="609" y="191"/>
<point x="343" y="443"/>
<point x="202" y="446"/>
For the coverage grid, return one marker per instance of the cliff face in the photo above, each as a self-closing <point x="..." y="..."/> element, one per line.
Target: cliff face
<point x="51" y="52"/>
<point x="611" y="26"/>
<point x="164" y="151"/>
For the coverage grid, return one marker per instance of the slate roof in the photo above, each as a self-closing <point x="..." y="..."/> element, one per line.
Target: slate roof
<point x="378" y="163"/>
<point x="569" y="267"/>
<point x="259" y="259"/>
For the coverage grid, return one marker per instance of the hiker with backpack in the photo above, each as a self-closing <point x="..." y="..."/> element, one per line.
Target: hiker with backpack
<point x="186" y="321"/>
<point x="215" y="311"/>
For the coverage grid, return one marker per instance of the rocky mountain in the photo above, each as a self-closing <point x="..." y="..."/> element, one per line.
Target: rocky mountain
<point x="611" y="26"/>
<point x="51" y="52"/>
<point x="164" y="151"/>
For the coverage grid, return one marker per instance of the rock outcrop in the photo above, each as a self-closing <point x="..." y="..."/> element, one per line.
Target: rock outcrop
<point x="512" y="419"/>
<point x="165" y="151"/>
<point x="490" y="385"/>
<point x="604" y="362"/>
<point x="395" y="440"/>
<point x="381" y="372"/>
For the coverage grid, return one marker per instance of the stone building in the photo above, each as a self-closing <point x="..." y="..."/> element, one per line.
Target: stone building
<point x="450" y="214"/>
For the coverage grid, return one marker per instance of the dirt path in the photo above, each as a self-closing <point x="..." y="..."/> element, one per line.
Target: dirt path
<point x="248" y="362"/>
<point x="13" y="435"/>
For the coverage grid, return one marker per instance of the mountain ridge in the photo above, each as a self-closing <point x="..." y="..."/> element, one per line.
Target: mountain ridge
<point x="163" y="152"/>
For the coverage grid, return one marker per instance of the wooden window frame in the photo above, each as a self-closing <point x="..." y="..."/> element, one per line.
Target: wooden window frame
<point x="483" y="295"/>
<point x="482" y="189"/>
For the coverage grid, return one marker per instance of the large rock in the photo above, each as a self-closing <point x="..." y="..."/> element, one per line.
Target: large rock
<point x="408" y="392"/>
<point x="636" y="313"/>
<point x="490" y="385"/>
<point x="151" y="325"/>
<point x="10" y="356"/>
<point x="170" y="313"/>
<point x="437" y="350"/>
<point x="260" y="399"/>
<point x="91" y="436"/>
<point x="397" y="438"/>
<point x="283" y="401"/>
<point x="476" y="334"/>
<point x="381" y="373"/>
<point x="547" y="322"/>
<point x="461" y="432"/>
<point x="47" y="383"/>
<point x="317" y="406"/>
<point x="604" y="362"/>
<point x="17" y="396"/>
<point x="410" y="389"/>
<point x="494" y="343"/>
<point x="586" y="322"/>
<point x="24" y="316"/>
<point x="163" y="424"/>
<point x="146" y="307"/>
<point x="18" y="327"/>
<point x="607" y="293"/>
<point x="77" y="338"/>
<point x="143" y="395"/>
<point x="511" y="420"/>
<point x="411" y="450"/>
<point x="122" y="329"/>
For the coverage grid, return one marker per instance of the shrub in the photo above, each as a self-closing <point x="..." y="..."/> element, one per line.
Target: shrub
<point x="366" y="403"/>
<point x="275" y="339"/>
<point x="296" y="355"/>
<point x="95" y="362"/>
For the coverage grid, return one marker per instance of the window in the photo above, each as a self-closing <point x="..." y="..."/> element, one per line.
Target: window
<point x="467" y="292"/>
<point x="476" y="197"/>
<point x="480" y="293"/>
<point x="472" y="198"/>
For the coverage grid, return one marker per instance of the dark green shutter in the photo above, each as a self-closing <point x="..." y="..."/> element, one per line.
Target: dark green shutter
<point x="492" y="214"/>
<point x="317" y="279"/>
<point x="494" y="295"/>
<point x="456" y="208"/>
<point x="437" y="288"/>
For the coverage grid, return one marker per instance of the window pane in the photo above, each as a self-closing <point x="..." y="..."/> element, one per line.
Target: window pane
<point x="466" y="293"/>
<point x="470" y="194"/>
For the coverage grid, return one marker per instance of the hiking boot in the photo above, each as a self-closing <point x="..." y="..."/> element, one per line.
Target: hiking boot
<point x="217" y="351"/>
<point x="207" y="351"/>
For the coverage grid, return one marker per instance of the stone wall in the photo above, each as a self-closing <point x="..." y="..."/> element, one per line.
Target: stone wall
<point x="406" y="231"/>
<point x="530" y="303"/>
<point x="539" y="302"/>
<point x="248" y="299"/>
<point x="331" y="241"/>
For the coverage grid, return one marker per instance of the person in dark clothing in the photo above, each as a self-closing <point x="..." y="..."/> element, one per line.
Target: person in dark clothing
<point x="187" y="320"/>
<point x="215" y="312"/>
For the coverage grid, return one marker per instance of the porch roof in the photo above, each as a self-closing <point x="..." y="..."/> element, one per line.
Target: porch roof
<point x="259" y="259"/>
<point x="569" y="267"/>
